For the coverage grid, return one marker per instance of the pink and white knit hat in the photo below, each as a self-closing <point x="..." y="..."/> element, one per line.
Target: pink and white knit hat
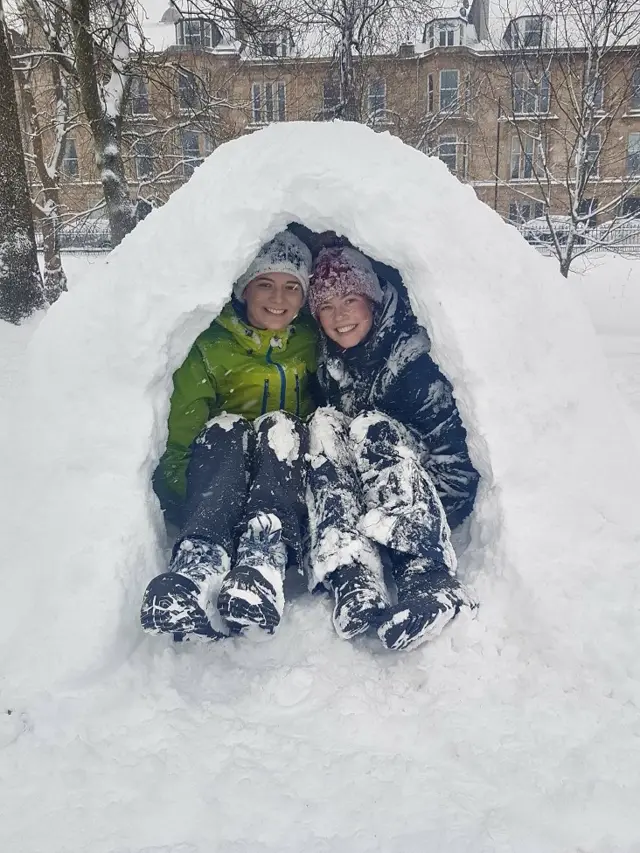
<point x="340" y="272"/>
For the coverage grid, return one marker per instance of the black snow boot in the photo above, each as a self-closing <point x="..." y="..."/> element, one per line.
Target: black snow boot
<point x="361" y="599"/>
<point x="182" y="601"/>
<point x="429" y="597"/>
<point x="252" y="594"/>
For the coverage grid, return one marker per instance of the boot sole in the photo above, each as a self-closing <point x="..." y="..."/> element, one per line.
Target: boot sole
<point x="170" y="607"/>
<point x="405" y="634"/>
<point x="240" y="613"/>
<point x="365" y="621"/>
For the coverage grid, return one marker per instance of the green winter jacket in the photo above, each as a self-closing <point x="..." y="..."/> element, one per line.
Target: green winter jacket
<point x="235" y="368"/>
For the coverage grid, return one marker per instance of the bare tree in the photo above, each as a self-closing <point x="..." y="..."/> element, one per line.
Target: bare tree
<point x="44" y="90"/>
<point x="102" y="63"/>
<point x="570" y="68"/>
<point x="349" y="33"/>
<point x="21" y="290"/>
<point x="91" y="42"/>
<point x="191" y="104"/>
<point x="353" y="33"/>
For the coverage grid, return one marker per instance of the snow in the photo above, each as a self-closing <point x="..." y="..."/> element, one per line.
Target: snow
<point x="518" y="730"/>
<point x="284" y="441"/>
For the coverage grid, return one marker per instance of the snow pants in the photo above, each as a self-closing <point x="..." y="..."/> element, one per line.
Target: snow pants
<point x="368" y="487"/>
<point x="238" y="469"/>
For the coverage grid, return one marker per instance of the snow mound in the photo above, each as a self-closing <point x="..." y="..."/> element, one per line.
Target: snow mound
<point x="546" y="677"/>
<point x="546" y="430"/>
<point x="609" y="285"/>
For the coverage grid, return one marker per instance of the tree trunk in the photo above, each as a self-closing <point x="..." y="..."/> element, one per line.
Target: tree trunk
<point x="55" y="279"/>
<point x="120" y="209"/>
<point x="348" y="100"/>
<point x="105" y="127"/>
<point x="21" y="291"/>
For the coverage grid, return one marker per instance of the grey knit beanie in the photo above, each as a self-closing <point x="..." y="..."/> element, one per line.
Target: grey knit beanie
<point x="285" y="253"/>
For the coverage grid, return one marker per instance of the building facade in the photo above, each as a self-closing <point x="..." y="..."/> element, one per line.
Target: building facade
<point x="502" y="112"/>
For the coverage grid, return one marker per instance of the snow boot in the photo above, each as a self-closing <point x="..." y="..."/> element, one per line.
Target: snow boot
<point x="182" y="601"/>
<point x="252" y="594"/>
<point x="429" y="597"/>
<point x="361" y="600"/>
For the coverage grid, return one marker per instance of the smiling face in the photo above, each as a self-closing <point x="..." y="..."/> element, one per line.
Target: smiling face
<point x="347" y="320"/>
<point x="273" y="300"/>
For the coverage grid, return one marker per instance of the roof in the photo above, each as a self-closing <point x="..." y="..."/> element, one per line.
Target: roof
<point x="485" y="27"/>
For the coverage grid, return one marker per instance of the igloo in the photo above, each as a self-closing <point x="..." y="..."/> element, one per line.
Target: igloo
<point x="553" y="541"/>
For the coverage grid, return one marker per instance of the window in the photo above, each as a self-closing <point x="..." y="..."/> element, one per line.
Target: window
<point x="523" y="211"/>
<point x="526" y="32"/>
<point x="377" y="100"/>
<point x="330" y="98"/>
<point x="449" y="90"/>
<point x="430" y="93"/>
<point x="70" y="159"/>
<point x="453" y="153"/>
<point x="530" y="96"/>
<point x="139" y="97"/>
<point x="268" y="102"/>
<point x="277" y="43"/>
<point x="188" y="92"/>
<point x="446" y="34"/>
<point x="635" y="90"/>
<point x="143" y="159"/>
<point x="526" y="156"/>
<point x="586" y="212"/>
<point x="592" y="155"/>
<point x="633" y="154"/>
<point x="195" y="147"/>
<point x="196" y="32"/>
<point x="631" y="206"/>
<point x="533" y="32"/>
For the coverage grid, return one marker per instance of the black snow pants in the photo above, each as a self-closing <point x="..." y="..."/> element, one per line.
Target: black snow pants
<point x="238" y="469"/>
<point x="368" y="487"/>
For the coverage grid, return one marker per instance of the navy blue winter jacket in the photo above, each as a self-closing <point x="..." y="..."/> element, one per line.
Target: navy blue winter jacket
<point x="391" y="371"/>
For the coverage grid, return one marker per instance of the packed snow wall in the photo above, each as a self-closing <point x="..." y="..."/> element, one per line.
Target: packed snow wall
<point x="553" y="535"/>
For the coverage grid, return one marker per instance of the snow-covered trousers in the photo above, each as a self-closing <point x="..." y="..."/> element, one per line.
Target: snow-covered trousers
<point x="367" y="487"/>
<point x="238" y="469"/>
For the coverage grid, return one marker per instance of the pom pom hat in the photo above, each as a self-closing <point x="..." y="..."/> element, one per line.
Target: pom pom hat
<point x="341" y="272"/>
<point x="285" y="253"/>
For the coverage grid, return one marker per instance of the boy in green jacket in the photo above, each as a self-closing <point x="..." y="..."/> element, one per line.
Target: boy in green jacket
<point x="232" y="475"/>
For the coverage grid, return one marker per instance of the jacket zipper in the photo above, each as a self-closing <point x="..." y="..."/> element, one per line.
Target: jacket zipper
<point x="297" y="395"/>
<point x="283" y="381"/>
<point x="265" y="397"/>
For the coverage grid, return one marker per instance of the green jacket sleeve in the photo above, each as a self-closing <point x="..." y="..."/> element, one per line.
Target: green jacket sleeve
<point x="193" y="403"/>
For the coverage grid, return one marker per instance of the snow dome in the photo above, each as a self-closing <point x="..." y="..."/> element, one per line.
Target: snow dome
<point x="555" y="520"/>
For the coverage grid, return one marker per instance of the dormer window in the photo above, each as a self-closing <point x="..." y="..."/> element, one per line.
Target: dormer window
<point x="445" y="34"/>
<point x="528" y="31"/>
<point x="197" y="32"/>
<point x="277" y="44"/>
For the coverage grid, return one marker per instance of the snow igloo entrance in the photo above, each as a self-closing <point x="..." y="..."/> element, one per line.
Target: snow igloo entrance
<point x="505" y="328"/>
<point x="215" y="385"/>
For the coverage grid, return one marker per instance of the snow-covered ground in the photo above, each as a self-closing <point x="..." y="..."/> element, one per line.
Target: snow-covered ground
<point x="516" y="731"/>
<point x="610" y="288"/>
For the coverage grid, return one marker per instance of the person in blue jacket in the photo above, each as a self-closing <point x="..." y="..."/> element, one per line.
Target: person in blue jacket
<point x="389" y="459"/>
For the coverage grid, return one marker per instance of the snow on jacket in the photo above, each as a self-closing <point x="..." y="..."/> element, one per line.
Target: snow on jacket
<point x="392" y="371"/>
<point x="233" y="367"/>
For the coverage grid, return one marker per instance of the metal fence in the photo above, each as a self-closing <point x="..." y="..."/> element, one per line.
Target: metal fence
<point x="622" y="238"/>
<point x="93" y="235"/>
<point x="88" y="235"/>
